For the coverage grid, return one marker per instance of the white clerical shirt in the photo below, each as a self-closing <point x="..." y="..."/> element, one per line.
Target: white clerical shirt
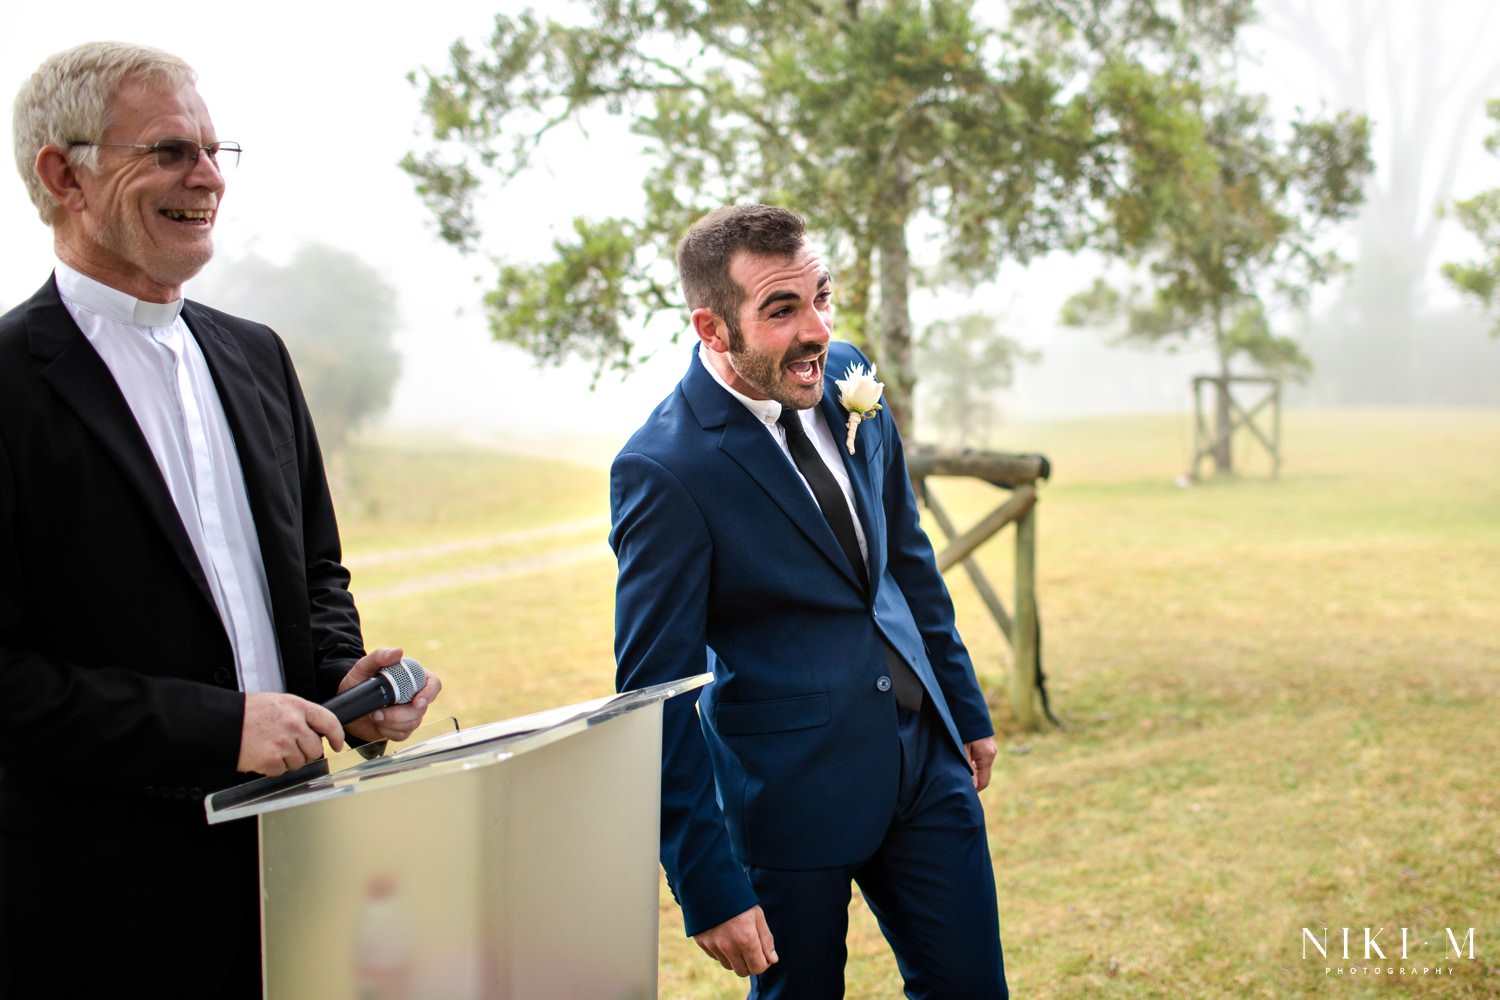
<point x="166" y="382"/>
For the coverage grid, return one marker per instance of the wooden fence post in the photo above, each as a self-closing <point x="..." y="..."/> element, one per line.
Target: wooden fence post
<point x="1024" y="626"/>
<point x="1019" y="475"/>
<point x="1206" y="441"/>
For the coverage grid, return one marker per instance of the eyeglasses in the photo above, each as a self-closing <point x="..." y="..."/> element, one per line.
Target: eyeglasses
<point x="178" y="154"/>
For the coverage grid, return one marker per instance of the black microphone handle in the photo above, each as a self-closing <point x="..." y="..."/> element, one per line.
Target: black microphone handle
<point x="362" y="699"/>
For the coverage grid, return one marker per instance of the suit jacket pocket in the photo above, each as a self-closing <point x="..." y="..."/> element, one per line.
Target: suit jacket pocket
<point x="776" y="715"/>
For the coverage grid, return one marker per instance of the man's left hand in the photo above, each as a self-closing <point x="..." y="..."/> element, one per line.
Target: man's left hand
<point x="394" y="722"/>
<point x="981" y="758"/>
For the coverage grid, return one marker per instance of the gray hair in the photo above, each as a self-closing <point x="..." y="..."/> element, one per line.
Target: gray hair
<point x="68" y="100"/>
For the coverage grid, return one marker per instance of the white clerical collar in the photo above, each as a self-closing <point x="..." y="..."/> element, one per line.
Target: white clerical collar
<point x="111" y="303"/>
<point x="767" y="411"/>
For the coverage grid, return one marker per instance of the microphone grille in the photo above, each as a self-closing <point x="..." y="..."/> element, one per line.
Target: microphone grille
<point x="407" y="677"/>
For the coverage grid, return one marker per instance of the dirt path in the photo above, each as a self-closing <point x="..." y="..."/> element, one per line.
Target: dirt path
<point x="490" y="571"/>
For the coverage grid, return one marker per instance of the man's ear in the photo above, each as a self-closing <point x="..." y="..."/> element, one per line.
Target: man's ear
<point x="60" y="178"/>
<point x="710" y="329"/>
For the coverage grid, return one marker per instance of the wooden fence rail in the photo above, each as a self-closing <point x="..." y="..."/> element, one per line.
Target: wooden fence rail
<point x="1018" y="474"/>
<point x="1211" y="441"/>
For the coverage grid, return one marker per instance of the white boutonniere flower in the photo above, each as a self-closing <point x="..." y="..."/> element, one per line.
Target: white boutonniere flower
<point x="859" y="393"/>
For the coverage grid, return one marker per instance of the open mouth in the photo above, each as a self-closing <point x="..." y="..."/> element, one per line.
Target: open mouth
<point x="808" y="371"/>
<point x="190" y="216"/>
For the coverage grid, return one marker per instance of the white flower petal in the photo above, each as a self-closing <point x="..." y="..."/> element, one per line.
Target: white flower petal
<point x="859" y="392"/>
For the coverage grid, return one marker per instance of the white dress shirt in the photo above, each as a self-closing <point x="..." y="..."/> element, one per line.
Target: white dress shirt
<point x="768" y="412"/>
<point x="166" y="382"/>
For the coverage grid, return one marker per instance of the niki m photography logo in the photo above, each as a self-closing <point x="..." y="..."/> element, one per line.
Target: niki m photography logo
<point x="1388" y="951"/>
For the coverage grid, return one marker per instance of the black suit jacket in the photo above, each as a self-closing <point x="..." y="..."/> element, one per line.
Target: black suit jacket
<point x="119" y="707"/>
<point x="117" y="681"/>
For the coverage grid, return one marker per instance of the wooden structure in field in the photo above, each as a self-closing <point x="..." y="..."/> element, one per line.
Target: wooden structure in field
<point x="1212" y="438"/>
<point x="1019" y="474"/>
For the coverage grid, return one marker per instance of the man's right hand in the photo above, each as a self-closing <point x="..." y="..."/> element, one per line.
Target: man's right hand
<point x="281" y="732"/>
<point x="741" y="944"/>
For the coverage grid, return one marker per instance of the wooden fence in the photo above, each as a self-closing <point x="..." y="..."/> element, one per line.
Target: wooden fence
<point x="1019" y="475"/>
<point x="1213" y="436"/>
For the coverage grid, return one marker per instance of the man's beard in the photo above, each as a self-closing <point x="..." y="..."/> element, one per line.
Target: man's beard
<point x="129" y="242"/>
<point x="766" y="372"/>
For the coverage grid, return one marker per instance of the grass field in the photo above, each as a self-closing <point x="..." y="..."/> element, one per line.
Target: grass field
<point x="1279" y="696"/>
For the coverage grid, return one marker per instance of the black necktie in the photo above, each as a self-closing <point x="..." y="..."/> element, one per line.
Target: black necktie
<point x="835" y="506"/>
<point x="825" y="488"/>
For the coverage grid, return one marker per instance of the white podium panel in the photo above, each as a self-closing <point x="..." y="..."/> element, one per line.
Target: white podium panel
<point x="515" y="860"/>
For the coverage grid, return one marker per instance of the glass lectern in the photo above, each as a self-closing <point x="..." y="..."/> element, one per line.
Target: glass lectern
<point x="513" y="860"/>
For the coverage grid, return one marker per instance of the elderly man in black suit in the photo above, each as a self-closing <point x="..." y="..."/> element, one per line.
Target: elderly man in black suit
<point x="172" y="603"/>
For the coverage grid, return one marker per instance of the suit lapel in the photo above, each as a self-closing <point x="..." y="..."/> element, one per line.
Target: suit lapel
<point x="866" y="504"/>
<point x="83" y="381"/>
<point x="274" y="517"/>
<point x="241" y="400"/>
<point x="751" y="446"/>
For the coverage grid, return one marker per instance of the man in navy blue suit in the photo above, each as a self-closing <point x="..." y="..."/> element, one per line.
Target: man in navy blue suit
<point x="844" y="738"/>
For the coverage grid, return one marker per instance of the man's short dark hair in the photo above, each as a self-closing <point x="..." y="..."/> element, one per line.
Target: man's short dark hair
<point x="703" y="255"/>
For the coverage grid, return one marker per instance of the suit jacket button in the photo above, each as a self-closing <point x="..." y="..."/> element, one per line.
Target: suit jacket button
<point x="221" y="676"/>
<point x="883" y="684"/>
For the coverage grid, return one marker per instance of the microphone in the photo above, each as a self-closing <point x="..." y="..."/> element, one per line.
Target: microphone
<point x="395" y="685"/>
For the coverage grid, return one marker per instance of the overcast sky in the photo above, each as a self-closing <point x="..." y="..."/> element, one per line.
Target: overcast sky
<point x="316" y="93"/>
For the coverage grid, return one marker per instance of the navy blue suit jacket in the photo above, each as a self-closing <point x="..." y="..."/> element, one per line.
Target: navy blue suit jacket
<point x="726" y="563"/>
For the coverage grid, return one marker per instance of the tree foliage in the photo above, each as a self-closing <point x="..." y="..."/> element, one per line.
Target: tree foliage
<point x="1422" y="73"/>
<point x="1237" y="233"/>
<point x="1233" y="226"/>
<point x="1480" y="215"/>
<point x="962" y="363"/>
<point x="877" y="119"/>
<point x="338" y="318"/>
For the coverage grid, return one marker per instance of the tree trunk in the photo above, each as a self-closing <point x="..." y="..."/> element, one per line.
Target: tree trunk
<point x="896" y="369"/>
<point x="854" y="300"/>
<point x="1223" y="448"/>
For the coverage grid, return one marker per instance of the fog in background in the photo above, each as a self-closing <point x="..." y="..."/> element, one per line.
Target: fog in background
<point x="317" y="95"/>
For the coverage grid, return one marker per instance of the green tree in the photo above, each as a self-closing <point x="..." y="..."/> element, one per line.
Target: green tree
<point x="962" y="362"/>
<point x="1421" y="73"/>
<point x="1238" y="230"/>
<point x="1480" y="215"/>
<point x="338" y="318"/>
<point x="890" y="124"/>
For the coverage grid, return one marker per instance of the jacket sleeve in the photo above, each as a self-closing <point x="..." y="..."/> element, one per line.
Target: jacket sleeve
<point x="913" y="565"/>
<point x="333" y="619"/>
<point x="661" y="604"/>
